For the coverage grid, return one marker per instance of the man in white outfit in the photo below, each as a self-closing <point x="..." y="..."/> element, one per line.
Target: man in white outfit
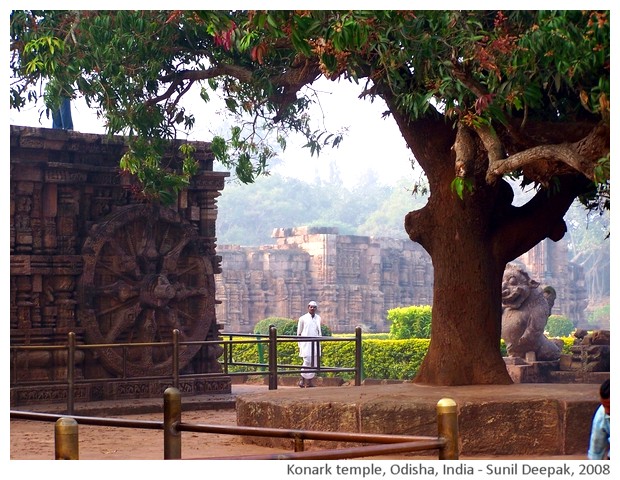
<point x="309" y="325"/>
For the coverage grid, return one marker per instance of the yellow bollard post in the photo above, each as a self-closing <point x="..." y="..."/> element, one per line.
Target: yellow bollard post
<point x="448" y="428"/>
<point x="172" y="418"/>
<point x="66" y="445"/>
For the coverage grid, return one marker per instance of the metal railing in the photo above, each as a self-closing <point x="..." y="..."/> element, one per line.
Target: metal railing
<point x="271" y="368"/>
<point x="446" y="441"/>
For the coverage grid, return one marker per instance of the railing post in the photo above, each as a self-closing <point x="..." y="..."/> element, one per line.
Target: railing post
<point x="124" y="361"/>
<point x="448" y="429"/>
<point x="316" y="353"/>
<point x="299" y="444"/>
<point x="172" y="418"/>
<point x="66" y="443"/>
<point x="228" y="357"/>
<point x="260" y="347"/>
<point x="273" y="358"/>
<point x="358" y="356"/>
<point x="71" y="373"/>
<point x="175" y="358"/>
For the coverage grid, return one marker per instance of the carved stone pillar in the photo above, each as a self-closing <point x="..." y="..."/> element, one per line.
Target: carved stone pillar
<point x="67" y="219"/>
<point x="22" y="222"/>
<point x="23" y="301"/>
<point x="64" y="288"/>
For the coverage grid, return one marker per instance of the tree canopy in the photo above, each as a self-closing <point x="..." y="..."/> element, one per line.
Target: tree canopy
<point x="477" y="96"/>
<point x="479" y="69"/>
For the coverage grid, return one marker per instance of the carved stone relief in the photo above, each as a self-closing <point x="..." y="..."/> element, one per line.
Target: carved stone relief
<point x="90" y="257"/>
<point x="145" y="275"/>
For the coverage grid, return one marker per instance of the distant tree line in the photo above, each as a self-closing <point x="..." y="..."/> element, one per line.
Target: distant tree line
<point x="247" y="214"/>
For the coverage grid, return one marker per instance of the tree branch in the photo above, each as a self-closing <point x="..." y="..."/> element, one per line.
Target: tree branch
<point x="492" y="144"/>
<point x="580" y="156"/>
<point x="464" y="149"/>
<point x="241" y="73"/>
<point x="167" y="94"/>
<point x="292" y="80"/>
<point x="521" y="228"/>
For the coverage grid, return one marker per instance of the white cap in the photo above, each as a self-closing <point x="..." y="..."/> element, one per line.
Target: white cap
<point x="312" y="304"/>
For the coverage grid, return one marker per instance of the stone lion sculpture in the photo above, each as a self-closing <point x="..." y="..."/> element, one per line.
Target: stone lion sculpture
<point x="526" y="309"/>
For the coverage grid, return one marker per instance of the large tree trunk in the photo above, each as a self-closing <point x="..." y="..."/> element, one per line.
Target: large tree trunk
<point x="457" y="233"/>
<point x="470" y="240"/>
<point x="467" y="310"/>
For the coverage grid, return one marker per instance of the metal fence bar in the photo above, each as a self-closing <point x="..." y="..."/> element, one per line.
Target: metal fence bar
<point x="273" y="369"/>
<point x="358" y="356"/>
<point x="172" y="420"/>
<point x="175" y="358"/>
<point x="66" y="445"/>
<point x="446" y="442"/>
<point x="84" y="420"/>
<point x="448" y="429"/>
<point x="71" y="373"/>
<point x="273" y="358"/>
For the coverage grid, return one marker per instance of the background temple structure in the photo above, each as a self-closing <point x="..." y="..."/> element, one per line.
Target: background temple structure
<point x="356" y="279"/>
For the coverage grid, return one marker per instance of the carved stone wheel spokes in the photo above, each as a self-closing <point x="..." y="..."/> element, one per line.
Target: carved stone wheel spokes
<point x="145" y="274"/>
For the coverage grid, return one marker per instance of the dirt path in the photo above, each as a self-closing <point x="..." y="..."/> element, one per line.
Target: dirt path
<point x="33" y="440"/>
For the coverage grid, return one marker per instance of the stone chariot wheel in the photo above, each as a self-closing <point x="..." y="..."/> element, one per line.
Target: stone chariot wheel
<point x="145" y="274"/>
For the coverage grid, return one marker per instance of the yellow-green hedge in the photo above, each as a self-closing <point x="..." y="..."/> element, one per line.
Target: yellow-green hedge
<point x="381" y="358"/>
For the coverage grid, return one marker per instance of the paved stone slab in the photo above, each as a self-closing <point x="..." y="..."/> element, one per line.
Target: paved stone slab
<point x="518" y="419"/>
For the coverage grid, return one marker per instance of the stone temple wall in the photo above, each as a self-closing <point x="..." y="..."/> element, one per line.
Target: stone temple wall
<point x="355" y="279"/>
<point x="89" y="256"/>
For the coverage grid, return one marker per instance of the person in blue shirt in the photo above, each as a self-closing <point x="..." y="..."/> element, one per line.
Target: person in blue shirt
<point x="599" y="436"/>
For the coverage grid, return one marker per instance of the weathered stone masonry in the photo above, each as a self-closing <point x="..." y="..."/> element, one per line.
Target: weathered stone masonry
<point x="355" y="279"/>
<point x="88" y="256"/>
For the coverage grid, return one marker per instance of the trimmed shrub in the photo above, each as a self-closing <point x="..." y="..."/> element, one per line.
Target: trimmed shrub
<point x="284" y="326"/>
<point x="410" y="322"/>
<point x="393" y="359"/>
<point x="559" y="326"/>
<point x="383" y="359"/>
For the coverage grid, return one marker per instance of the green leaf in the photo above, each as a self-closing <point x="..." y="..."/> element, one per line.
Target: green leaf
<point x="231" y="104"/>
<point x="457" y="186"/>
<point x="460" y="185"/>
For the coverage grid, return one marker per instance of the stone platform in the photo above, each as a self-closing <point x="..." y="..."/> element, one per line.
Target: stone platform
<point x="501" y="420"/>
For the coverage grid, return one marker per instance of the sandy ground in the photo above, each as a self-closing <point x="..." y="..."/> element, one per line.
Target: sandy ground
<point x="34" y="440"/>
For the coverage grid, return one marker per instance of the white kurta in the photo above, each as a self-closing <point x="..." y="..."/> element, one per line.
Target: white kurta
<point x="309" y="326"/>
